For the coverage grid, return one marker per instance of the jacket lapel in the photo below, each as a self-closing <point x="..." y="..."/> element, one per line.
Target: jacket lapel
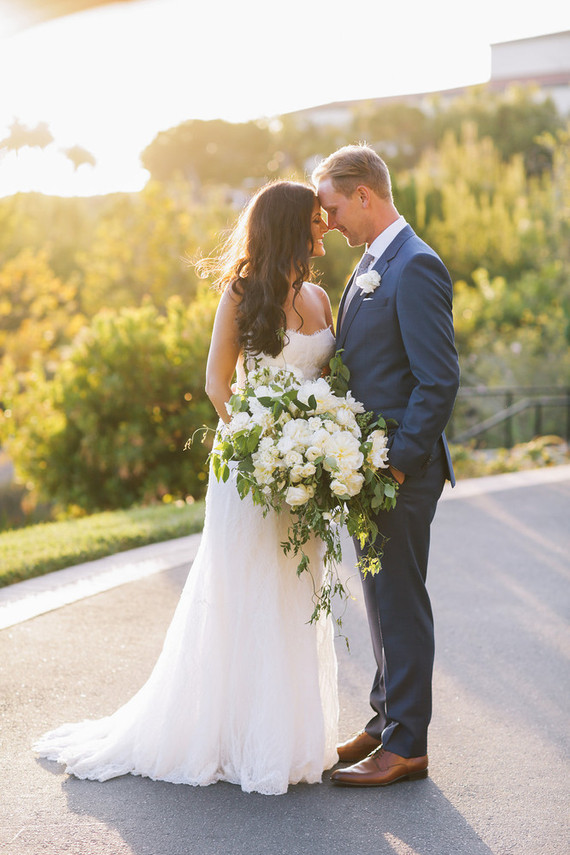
<point x="380" y="267"/>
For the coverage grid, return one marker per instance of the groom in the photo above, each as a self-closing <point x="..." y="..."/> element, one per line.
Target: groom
<point x="397" y="340"/>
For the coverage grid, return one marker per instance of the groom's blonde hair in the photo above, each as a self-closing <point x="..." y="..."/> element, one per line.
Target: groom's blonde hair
<point x="352" y="165"/>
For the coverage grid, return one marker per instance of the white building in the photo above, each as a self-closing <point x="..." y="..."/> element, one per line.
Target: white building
<point x="542" y="60"/>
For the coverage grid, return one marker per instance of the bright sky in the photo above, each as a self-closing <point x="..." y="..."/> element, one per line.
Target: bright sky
<point x="110" y="79"/>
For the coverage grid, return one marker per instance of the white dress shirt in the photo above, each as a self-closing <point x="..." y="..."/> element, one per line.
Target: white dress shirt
<point x="385" y="238"/>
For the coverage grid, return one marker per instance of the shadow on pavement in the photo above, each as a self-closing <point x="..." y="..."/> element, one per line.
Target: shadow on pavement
<point x="155" y="818"/>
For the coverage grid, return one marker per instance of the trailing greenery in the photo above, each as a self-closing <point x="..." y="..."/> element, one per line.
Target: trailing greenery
<point x="40" y="549"/>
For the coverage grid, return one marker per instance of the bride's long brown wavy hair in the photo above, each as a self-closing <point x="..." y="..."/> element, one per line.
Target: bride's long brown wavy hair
<point x="271" y="240"/>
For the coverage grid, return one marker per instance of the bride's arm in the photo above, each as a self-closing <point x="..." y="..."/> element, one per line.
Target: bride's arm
<point x="223" y="354"/>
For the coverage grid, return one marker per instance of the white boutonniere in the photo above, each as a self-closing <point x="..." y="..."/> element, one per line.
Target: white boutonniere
<point x="368" y="282"/>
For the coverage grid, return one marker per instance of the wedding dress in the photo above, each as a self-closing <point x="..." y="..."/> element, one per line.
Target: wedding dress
<point x="245" y="689"/>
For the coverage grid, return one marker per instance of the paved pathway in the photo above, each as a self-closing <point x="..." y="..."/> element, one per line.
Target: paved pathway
<point x="499" y="779"/>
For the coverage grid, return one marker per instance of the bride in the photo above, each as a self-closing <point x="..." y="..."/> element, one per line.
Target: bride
<point x="245" y="688"/>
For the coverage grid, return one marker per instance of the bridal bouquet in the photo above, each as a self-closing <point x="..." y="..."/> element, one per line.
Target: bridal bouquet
<point x="307" y="446"/>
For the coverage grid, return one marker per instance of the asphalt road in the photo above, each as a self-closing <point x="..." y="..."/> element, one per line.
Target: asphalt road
<point x="499" y="779"/>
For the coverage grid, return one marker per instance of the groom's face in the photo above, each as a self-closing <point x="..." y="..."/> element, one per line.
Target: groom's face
<point x="345" y="213"/>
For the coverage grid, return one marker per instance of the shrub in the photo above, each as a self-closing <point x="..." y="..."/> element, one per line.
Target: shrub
<point x="109" y="429"/>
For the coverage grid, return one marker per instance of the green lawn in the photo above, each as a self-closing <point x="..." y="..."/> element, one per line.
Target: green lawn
<point x="39" y="549"/>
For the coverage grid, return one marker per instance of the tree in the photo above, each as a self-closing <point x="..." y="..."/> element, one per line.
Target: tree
<point x="514" y="119"/>
<point x="142" y="247"/>
<point x="479" y="211"/>
<point x="210" y="152"/>
<point x="399" y="132"/>
<point x="79" y="156"/>
<point x="39" y="312"/>
<point x="21" y="136"/>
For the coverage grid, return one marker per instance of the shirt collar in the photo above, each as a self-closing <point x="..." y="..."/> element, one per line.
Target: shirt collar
<point x="385" y="238"/>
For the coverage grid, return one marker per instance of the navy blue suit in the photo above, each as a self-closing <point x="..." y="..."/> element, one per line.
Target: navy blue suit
<point x="398" y="344"/>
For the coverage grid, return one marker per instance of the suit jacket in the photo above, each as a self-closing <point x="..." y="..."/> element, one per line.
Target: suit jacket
<point x="398" y="344"/>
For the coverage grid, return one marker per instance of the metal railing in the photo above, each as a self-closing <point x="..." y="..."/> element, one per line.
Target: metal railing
<point x="545" y="402"/>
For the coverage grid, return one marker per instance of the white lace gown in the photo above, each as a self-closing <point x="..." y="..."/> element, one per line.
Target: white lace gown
<point x="245" y="689"/>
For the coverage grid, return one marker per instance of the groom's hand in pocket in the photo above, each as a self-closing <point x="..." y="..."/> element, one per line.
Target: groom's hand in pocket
<point x="399" y="476"/>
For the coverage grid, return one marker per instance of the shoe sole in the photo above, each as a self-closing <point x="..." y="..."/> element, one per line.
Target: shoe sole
<point x="411" y="776"/>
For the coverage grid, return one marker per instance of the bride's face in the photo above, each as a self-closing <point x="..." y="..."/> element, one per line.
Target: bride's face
<point x="319" y="228"/>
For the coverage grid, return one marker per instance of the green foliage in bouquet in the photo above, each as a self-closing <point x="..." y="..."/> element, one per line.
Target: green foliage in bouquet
<point x="308" y="447"/>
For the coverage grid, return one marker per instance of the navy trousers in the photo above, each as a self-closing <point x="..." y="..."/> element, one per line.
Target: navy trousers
<point x="400" y="616"/>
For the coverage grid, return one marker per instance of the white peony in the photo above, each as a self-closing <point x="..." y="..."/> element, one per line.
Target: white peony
<point x="261" y="392"/>
<point x="325" y="399"/>
<point x="353" y="483"/>
<point x="353" y="404"/>
<point x="285" y="445"/>
<point x="344" y="448"/>
<point x="345" y="417"/>
<point x="299" y="431"/>
<point x="301" y="471"/>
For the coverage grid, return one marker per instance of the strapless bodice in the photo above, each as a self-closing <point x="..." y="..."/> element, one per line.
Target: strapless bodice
<point x="305" y="353"/>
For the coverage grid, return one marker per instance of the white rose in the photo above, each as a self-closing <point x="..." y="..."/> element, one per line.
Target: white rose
<point x="312" y="453"/>
<point x="338" y="488"/>
<point x="264" y="460"/>
<point x="266" y="444"/>
<point x="314" y="423"/>
<point x="299" y="495"/>
<point x="301" y="471"/>
<point x="349" y="485"/>
<point x="293" y="458"/>
<point x="262" y="476"/>
<point x="308" y="470"/>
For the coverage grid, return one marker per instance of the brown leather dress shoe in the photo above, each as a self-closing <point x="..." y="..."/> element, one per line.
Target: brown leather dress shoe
<point x="357" y="747"/>
<point x="380" y="769"/>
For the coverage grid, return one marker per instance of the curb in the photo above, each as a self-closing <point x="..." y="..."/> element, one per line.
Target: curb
<point x="24" y="600"/>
